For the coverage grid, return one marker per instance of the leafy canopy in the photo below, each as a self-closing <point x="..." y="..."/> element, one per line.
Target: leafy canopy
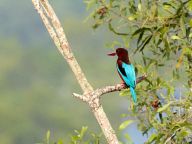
<point x="159" y="35"/>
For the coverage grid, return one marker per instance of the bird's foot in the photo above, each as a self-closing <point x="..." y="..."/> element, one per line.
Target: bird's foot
<point x="123" y="83"/>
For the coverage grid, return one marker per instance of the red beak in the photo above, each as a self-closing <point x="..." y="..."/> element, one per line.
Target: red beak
<point x="111" y="54"/>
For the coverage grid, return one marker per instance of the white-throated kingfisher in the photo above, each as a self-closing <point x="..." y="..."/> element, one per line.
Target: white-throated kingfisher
<point x="126" y="70"/>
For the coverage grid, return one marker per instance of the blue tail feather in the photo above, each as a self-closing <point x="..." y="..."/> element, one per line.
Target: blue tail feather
<point x="133" y="94"/>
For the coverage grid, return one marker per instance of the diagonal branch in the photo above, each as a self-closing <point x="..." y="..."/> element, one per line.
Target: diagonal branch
<point x="56" y="32"/>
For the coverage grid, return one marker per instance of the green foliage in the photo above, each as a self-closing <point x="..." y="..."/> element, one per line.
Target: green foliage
<point x="158" y="34"/>
<point x="164" y="107"/>
<point x="79" y="137"/>
<point x="125" y="124"/>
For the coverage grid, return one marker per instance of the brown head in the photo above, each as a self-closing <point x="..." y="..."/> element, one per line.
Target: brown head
<point x="122" y="54"/>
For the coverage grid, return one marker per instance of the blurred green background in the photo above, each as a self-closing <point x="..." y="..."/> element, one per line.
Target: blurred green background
<point x="36" y="83"/>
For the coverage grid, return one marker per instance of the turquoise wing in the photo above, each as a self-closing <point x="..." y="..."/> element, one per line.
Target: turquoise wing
<point x="130" y="78"/>
<point x="127" y="72"/>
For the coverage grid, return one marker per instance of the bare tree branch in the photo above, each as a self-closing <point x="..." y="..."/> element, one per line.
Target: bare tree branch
<point x="56" y="32"/>
<point x="118" y="87"/>
<point x="107" y="89"/>
<point x="91" y="97"/>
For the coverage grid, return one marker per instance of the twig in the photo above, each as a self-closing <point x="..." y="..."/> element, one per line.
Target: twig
<point x="118" y="87"/>
<point x="96" y="94"/>
<point x="172" y="136"/>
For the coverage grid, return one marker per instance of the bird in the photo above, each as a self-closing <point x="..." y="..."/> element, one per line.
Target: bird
<point x="126" y="70"/>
